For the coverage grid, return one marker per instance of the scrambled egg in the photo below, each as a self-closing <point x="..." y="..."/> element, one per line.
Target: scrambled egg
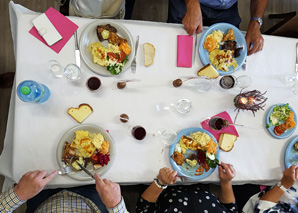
<point x="192" y="163"/>
<point x="80" y="161"/>
<point x="201" y="138"/>
<point x="187" y="143"/>
<point x="99" y="53"/>
<point x="213" y="40"/>
<point x="222" y="60"/>
<point x="86" y="144"/>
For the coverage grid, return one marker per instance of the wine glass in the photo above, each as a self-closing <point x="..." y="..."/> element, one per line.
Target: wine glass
<point x="182" y="106"/>
<point x="289" y="78"/>
<point x="200" y="84"/>
<point x="137" y="131"/>
<point x="218" y="123"/>
<point x="231" y="81"/>
<point x="72" y="72"/>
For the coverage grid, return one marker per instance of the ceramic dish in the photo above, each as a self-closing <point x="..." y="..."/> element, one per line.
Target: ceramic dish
<point x="189" y="174"/>
<point x="288" y="132"/>
<point x="239" y="38"/>
<point x="291" y="155"/>
<point x="69" y="136"/>
<point x="89" y="36"/>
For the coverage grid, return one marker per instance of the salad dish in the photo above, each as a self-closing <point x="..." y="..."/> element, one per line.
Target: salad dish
<point x="291" y="153"/>
<point x="223" y="46"/>
<point x="281" y="121"/>
<point x="194" y="153"/>
<point x="107" y="47"/>
<point x="89" y="145"/>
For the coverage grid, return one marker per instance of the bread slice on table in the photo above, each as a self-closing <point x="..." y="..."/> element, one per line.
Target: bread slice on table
<point x="208" y="71"/>
<point x="226" y="141"/>
<point x="149" y="53"/>
<point x="80" y="113"/>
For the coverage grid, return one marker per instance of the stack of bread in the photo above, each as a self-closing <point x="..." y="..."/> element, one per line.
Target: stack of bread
<point x="226" y="141"/>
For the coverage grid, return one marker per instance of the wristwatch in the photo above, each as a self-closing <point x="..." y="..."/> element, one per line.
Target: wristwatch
<point x="259" y="20"/>
<point x="279" y="185"/>
<point x="159" y="184"/>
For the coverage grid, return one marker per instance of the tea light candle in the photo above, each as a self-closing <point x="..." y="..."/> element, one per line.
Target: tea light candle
<point x="243" y="100"/>
<point x="251" y="101"/>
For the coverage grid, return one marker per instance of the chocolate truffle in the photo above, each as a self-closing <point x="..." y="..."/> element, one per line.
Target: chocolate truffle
<point x="124" y="118"/>
<point x="177" y="83"/>
<point x="121" y="84"/>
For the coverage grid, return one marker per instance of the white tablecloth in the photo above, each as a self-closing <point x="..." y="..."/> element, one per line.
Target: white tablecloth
<point x="34" y="130"/>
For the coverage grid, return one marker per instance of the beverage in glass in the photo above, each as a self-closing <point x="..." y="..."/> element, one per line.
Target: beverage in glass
<point x="138" y="132"/>
<point x="93" y="83"/>
<point x="217" y="123"/>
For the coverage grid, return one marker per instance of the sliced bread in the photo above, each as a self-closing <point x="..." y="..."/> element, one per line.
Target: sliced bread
<point x="208" y="71"/>
<point x="226" y="141"/>
<point x="80" y="113"/>
<point x="149" y="53"/>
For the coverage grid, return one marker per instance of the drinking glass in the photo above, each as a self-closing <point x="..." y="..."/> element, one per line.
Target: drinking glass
<point x="167" y="136"/>
<point x="137" y="131"/>
<point x="231" y="81"/>
<point x="182" y="106"/>
<point x="55" y="68"/>
<point x="289" y="78"/>
<point x="295" y="89"/>
<point x="218" y="123"/>
<point x="72" y="72"/>
<point x="200" y="84"/>
<point x="93" y="83"/>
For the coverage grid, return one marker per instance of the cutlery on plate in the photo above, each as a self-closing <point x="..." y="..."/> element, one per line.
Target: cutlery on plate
<point x="296" y="69"/>
<point x="64" y="170"/>
<point x="134" y="61"/>
<point x="85" y="170"/>
<point x="244" y="65"/>
<point x="77" y="51"/>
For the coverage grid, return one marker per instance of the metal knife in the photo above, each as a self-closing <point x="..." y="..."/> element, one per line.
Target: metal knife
<point x="297" y="59"/>
<point x="85" y="170"/>
<point x="77" y="51"/>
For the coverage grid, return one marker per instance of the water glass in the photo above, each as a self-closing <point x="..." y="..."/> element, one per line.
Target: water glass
<point x="200" y="85"/>
<point x="183" y="106"/>
<point x="167" y="136"/>
<point x="289" y="78"/>
<point x="72" y="72"/>
<point x="295" y="89"/>
<point x="56" y="68"/>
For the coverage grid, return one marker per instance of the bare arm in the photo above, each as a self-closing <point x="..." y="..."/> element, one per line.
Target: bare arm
<point x="257" y="8"/>
<point x="166" y="176"/>
<point x="288" y="179"/>
<point x="192" y="19"/>
<point x="226" y="174"/>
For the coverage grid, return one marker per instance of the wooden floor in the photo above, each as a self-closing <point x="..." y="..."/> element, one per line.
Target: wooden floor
<point x="152" y="10"/>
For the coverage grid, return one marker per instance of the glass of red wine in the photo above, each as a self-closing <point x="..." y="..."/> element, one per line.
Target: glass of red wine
<point x="218" y="123"/>
<point x="137" y="131"/>
<point x="231" y="81"/>
<point x="93" y="83"/>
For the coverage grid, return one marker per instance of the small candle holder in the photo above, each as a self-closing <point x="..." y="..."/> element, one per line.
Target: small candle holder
<point x="250" y="100"/>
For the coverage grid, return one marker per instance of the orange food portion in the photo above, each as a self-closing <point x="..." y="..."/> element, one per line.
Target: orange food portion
<point x="125" y="48"/>
<point x="211" y="147"/>
<point x="210" y="44"/>
<point x="105" y="148"/>
<point x="290" y="123"/>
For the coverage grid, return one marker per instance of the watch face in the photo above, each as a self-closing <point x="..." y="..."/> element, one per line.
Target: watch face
<point x="278" y="184"/>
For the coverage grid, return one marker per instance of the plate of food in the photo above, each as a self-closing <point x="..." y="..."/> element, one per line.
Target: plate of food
<point x="191" y="152"/>
<point x="91" y="146"/>
<point x="224" y="47"/>
<point x="291" y="153"/>
<point x="281" y="121"/>
<point x="107" y="47"/>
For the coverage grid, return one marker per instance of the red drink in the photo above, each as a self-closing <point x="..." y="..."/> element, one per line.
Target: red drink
<point x="217" y="123"/>
<point x="138" y="132"/>
<point x="93" y="83"/>
<point x="227" y="82"/>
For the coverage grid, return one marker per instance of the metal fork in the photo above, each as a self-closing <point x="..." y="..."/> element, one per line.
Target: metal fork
<point x="244" y="65"/>
<point x="64" y="170"/>
<point x="134" y="61"/>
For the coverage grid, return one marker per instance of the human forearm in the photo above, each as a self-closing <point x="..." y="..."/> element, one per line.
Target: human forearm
<point x="226" y="194"/>
<point x="151" y="193"/>
<point x="273" y="194"/>
<point x="257" y="8"/>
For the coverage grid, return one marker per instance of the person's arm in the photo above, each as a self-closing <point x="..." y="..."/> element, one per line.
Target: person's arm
<point x="166" y="176"/>
<point x="288" y="179"/>
<point x="253" y="36"/>
<point x="226" y="174"/>
<point x="30" y="185"/>
<point x="110" y="194"/>
<point x="192" y="19"/>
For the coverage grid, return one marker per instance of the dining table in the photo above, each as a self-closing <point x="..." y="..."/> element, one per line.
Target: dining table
<point x="34" y="130"/>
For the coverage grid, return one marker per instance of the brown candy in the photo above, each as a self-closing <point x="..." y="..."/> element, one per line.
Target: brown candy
<point x="121" y="85"/>
<point x="177" y="82"/>
<point x="124" y="118"/>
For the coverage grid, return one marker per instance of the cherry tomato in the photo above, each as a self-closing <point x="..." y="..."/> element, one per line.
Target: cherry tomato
<point x="94" y="158"/>
<point x="112" y="56"/>
<point x="122" y="57"/>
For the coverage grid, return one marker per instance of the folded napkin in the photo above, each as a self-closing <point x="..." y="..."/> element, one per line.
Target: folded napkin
<point x="230" y="129"/>
<point x="184" y="50"/>
<point x="64" y="26"/>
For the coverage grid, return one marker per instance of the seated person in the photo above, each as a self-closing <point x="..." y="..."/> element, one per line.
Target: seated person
<point x="282" y="197"/>
<point x="105" y="198"/>
<point x="160" y="198"/>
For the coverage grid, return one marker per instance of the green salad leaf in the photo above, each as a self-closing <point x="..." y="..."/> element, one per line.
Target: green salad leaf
<point x="279" y="115"/>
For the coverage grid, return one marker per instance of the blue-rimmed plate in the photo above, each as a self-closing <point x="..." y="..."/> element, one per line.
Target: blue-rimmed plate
<point x="288" y="132"/>
<point x="239" y="38"/>
<point x="291" y="155"/>
<point x="182" y="170"/>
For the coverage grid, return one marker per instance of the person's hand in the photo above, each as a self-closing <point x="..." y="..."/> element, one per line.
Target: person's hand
<point x="226" y="173"/>
<point x="109" y="192"/>
<point x="254" y="37"/>
<point x="192" y="20"/>
<point x="290" y="176"/>
<point x="32" y="183"/>
<point x="167" y="176"/>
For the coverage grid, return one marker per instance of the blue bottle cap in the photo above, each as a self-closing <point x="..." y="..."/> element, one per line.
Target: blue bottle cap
<point x="25" y="90"/>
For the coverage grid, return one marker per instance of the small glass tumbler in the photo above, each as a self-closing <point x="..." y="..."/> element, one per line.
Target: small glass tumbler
<point x="167" y="136"/>
<point x="72" y="72"/>
<point x="56" y="68"/>
<point x="137" y="131"/>
<point x="295" y="89"/>
<point x="183" y="106"/>
<point x="93" y="83"/>
<point x="231" y="81"/>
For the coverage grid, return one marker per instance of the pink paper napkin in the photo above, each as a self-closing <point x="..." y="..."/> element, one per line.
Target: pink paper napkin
<point x="64" y="26"/>
<point x="184" y="50"/>
<point x="230" y="129"/>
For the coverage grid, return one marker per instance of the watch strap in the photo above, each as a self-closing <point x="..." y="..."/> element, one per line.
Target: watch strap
<point x="258" y="19"/>
<point x="279" y="185"/>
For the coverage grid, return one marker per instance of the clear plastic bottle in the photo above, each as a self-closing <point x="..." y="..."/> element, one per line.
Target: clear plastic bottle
<point x="31" y="91"/>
